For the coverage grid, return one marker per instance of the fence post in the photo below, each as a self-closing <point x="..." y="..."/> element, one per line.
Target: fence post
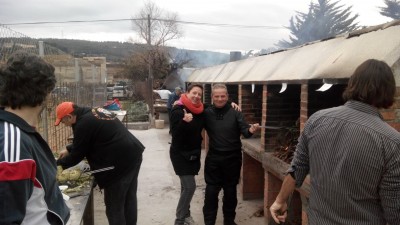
<point x="78" y="80"/>
<point x="44" y="112"/>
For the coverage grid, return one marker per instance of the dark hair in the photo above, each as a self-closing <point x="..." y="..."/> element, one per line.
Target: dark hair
<point x="191" y="86"/>
<point x="25" y="80"/>
<point x="75" y="107"/>
<point x="373" y="83"/>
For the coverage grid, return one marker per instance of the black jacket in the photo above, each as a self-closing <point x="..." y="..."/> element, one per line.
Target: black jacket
<point x="104" y="141"/>
<point x="29" y="191"/>
<point x="224" y="127"/>
<point x="186" y="141"/>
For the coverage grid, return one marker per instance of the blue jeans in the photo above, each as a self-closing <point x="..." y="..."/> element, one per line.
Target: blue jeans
<point x="188" y="186"/>
<point x="121" y="200"/>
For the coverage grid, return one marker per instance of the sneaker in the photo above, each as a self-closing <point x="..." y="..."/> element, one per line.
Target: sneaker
<point x="189" y="221"/>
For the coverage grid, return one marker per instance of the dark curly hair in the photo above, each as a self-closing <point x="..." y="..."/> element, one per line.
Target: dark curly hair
<point x="25" y="80"/>
<point x="373" y="83"/>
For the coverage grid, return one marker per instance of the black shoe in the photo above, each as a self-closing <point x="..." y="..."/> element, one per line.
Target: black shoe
<point x="229" y="223"/>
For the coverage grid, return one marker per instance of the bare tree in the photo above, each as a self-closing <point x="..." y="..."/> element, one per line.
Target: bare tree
<point x="156" y="26"/>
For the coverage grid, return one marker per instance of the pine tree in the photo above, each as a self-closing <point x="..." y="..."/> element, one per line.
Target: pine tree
<point x="392" y="9"/>
<point x="323" y="20"/>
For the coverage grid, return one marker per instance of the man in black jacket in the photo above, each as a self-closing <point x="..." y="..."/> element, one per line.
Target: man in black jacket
<point x="105" y="142"/>
<point x="224" y="126"/>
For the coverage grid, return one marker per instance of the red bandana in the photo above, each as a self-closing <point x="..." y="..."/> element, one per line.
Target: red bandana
<point x="194" y="108"/>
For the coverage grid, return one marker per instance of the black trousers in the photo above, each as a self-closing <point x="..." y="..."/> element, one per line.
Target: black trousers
<point x="121" y="200"/>
<point x="169" y="119"/>
<point x="221" y="171"/>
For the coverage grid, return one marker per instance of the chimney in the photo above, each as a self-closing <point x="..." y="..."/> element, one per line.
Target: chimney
<point x="235" y="56"/>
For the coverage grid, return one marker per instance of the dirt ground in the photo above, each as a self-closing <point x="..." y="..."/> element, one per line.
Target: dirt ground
<point x="159" y="188"/>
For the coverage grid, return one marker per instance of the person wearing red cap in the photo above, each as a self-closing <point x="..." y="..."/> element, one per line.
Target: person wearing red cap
<point x="105" y="142"/>
<point x="29" y="192"/>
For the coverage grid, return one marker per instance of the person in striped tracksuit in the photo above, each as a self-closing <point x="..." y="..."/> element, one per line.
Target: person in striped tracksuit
<point x="29" y="192"/>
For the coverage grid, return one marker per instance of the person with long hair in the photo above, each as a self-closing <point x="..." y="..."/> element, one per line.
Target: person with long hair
<point x="352" y="156"/>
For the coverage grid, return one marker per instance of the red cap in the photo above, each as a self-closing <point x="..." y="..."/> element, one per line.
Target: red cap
<point x="62" y="110"/>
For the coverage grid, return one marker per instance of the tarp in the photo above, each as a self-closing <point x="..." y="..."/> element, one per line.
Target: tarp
<point x="335" y="58"/>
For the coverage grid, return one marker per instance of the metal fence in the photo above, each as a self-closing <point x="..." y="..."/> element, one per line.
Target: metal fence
<point x="89" y="95"/>
<point x="79" y="80"/>
<point x="11" y="41"/>
<point x="84" y="92"/>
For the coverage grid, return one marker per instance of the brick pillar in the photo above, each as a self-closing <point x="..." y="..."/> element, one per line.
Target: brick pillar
<point x="205" y="142"/>
<point x="272" y="185"/>
<point x="240" y="95"/>
<point x="252" y="182"/>
<point x="264" y="115"/>
<point x="303" y="105"/>
<point x="303" y="119"/>
<point x="206" y="99"/>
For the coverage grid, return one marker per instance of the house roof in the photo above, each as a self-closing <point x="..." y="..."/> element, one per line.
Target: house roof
<point x="334" y="58"/>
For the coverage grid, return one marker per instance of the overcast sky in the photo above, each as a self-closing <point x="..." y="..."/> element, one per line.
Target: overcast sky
<point x="215" y="38"/>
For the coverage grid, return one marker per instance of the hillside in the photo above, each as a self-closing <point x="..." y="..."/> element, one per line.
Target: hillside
<point x="117" y="51"/>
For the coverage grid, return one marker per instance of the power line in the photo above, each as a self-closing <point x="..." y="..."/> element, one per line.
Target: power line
<point x="164" y="20"/>
<point x="222" y="24"/>
<point x="70" y="21"/>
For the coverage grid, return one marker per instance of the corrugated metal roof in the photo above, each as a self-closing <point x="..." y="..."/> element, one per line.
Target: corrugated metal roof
<point x="335" y="58"/>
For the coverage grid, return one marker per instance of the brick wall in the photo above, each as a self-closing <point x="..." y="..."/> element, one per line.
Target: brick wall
<point x="392" y="115"/>
<point x="233" y="91"/>
<point x="312" y="100"/>
<point x="251" y="103"/>
<point x="318" y="100"/>
<point x="207" y="94"/>
<point x="282" y="110"/>
<point x="252" y="178"/>
<point x="271" y="189"/>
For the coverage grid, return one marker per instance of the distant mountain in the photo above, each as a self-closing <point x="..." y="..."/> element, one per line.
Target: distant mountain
<point x="117" y="51"/>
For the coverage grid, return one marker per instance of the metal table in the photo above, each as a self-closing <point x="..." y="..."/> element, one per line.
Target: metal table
<point x="82" y="208"/>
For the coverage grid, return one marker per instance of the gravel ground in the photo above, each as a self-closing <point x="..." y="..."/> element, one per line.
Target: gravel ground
<point x="159" y="188"/>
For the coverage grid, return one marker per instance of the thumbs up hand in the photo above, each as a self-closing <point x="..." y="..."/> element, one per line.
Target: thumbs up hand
<point x="187" y="117"/>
